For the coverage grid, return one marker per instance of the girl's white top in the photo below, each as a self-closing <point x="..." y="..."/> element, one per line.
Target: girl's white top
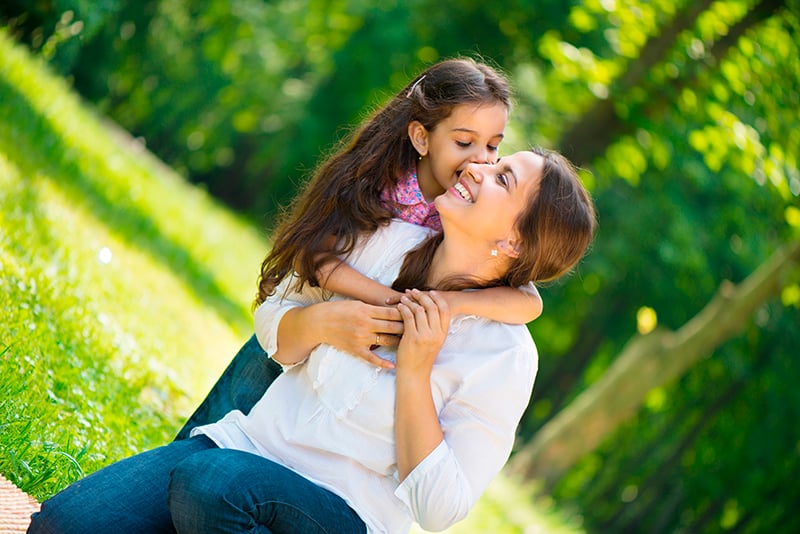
<point x="331" y="417"/>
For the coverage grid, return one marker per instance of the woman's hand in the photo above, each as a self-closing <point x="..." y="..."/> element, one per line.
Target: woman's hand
<point x="357" y="328"/>
<point x="426" y="318"/>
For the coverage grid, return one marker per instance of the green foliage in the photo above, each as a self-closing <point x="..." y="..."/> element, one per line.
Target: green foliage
<point x="707" y="192"/>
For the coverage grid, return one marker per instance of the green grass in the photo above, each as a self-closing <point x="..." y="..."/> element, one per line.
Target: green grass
<point x="124" y="293"/>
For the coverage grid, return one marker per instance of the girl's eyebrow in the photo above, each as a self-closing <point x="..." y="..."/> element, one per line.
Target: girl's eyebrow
<point x="501" y="135"/>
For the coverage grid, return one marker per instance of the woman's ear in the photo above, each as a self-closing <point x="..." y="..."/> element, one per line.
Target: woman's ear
<point x="418" y="135"/>
<point x="509" y="247"/>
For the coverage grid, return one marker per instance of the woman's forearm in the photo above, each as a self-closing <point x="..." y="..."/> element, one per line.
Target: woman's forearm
<point x="299" y="333"/>
<point x="349" y="325"/>
<point x="417" y="428"/>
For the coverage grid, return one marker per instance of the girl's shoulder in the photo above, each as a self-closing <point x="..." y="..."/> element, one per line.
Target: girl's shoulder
<point x="387" y="246"/>
<point x="399" y="234"/>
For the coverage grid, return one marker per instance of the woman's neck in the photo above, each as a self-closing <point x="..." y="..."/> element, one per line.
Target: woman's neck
<point x="462" y="261"/>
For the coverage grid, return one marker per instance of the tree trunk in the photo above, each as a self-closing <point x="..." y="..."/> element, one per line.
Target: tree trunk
<point x="647" y="362"/>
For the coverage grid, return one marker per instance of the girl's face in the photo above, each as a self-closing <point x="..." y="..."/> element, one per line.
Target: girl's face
<point x="487" y="199"/>
<point x="471" y="134"/>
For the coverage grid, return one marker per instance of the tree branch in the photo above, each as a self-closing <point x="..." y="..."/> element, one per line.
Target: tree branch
<point x="647" y="362"/>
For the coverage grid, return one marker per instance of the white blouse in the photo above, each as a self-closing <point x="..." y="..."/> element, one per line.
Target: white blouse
<point x="331" y="417"/>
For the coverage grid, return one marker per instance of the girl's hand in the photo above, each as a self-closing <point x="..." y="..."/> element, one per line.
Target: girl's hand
<point x="426" y="317"/>
<point x="393" y="298"/>
<point x="357" y="328"/>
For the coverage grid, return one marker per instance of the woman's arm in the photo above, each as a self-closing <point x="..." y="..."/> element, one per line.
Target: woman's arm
<point x="426" y="319"/>
<point x="290" y="328"/>
<point x="346" y="324"/>
<point x="503" y="304"/>
<point x="479" y="421"/>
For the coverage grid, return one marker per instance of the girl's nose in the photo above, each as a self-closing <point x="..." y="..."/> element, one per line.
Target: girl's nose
<point x="481" y="155"/>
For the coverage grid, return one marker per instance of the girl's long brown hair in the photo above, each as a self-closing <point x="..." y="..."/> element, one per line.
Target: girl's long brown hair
<point x="555" y="230"/>
<point x="343" y="198"/>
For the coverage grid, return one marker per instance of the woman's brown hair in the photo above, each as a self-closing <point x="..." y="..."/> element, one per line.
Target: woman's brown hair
<point x="343" y="198"/>
<point x="555" y="230"/>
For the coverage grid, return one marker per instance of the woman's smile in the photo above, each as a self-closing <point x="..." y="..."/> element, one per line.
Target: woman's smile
<point x="462" y="190"/>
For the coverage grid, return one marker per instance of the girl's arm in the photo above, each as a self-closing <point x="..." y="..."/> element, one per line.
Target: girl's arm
<point x="338" y="277"/>
<point x="503" y="304"/>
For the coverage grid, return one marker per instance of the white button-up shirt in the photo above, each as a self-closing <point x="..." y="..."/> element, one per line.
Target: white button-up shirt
<point x="331" y="417"/>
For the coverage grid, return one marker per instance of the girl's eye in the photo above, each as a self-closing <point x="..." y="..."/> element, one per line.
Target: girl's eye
<point x="462" y="144"/>
<point x="493" y="148"/>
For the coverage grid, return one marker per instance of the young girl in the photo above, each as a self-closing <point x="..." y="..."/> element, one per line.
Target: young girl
<point x="393" y="166"/>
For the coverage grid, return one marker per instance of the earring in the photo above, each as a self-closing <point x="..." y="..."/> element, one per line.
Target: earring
<point x="494" y="252"/>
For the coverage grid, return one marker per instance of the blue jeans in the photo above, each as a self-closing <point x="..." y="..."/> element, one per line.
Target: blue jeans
<point x="244" y="381"/>
<point x="192" y="485"/>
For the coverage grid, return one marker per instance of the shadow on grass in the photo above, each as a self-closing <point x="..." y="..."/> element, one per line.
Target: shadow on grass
<point x="34" y="145"/>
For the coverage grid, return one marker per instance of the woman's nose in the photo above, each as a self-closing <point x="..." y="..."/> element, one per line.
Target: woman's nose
<point x="474" y="171"/>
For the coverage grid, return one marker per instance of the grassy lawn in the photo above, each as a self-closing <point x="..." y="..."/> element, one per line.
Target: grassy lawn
<point x="124" y="293"/>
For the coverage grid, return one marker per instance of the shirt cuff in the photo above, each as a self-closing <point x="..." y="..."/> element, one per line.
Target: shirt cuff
<point x="267" y="318"/>
<point x="429" y="463"/>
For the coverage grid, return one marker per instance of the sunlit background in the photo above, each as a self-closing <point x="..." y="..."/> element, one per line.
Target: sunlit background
<point x="666" y="399"/>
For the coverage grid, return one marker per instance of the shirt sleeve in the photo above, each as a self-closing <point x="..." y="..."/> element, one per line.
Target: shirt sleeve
<point x="479" y="425"/>
<point x="530" y="289"/>
<point x="269" y="313"/>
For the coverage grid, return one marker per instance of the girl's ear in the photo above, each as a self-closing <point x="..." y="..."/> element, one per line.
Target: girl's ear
<point x="418" y="135"/>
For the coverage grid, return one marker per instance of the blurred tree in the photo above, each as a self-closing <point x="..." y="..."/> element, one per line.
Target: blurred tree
<point x="647" y="362"/>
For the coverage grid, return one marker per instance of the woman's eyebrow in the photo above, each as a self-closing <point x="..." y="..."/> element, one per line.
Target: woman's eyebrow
<point x="509" y="170"/>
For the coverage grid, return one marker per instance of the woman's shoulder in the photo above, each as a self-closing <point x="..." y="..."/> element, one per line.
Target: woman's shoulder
<point x="505" y="342"/>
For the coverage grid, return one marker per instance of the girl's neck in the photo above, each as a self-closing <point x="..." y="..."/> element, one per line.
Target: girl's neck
<point x="428" y="185"/>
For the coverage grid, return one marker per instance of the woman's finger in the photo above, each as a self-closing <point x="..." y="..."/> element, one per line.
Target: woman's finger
<point x="444" y="309"/>
<point x="430" y="308"/>
<point x="374" y="359"/>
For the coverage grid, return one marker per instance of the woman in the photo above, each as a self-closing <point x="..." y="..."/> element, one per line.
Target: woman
<point x="338" y="445"/>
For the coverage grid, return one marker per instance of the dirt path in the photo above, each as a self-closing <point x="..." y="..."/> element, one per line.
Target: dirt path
<point x="16" y="508"/>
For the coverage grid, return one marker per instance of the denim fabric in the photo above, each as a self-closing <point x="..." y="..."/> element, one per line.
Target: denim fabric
<point x="126" y="497"/>
<point x="257" y="495"/>
<point x="244" y="381"/>
<point x="192" y="485"/>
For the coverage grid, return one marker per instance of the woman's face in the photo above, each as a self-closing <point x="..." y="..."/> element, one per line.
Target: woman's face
<point x="487" y="199"/>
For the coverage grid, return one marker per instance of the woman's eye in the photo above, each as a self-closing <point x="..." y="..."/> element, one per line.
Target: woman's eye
<point x="502" y="180"/>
